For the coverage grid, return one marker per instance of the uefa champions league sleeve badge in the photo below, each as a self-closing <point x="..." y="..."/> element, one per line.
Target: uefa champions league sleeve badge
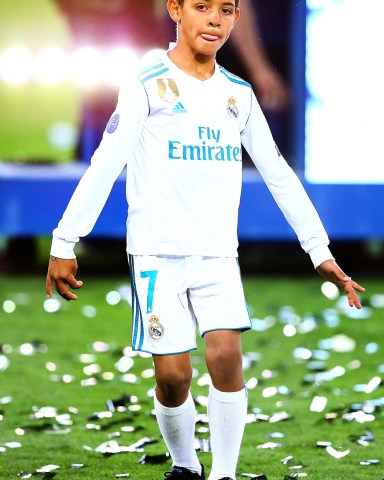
<point x="113" y="123"/>
<point x="155" y="329"/>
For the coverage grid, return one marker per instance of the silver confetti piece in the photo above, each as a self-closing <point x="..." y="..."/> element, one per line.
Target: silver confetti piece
<point x="269" y="445"/>
<point x="254" y="476"/>
<point x="286" y="460"/>
<point x="366" y="463"/>
<point x="203" y="445"/>
<point x="336" y="453"/>
<point x="47" y="469"/>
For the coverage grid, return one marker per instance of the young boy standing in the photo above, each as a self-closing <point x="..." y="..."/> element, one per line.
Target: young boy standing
<point x="178" y="128"/>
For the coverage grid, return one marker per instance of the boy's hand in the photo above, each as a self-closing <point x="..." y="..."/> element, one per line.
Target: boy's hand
<point x="333" y="273"/>
<point x="61" y="273"/>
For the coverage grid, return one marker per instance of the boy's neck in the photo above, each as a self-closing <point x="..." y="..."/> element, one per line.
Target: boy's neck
<point x="201" y="67"/>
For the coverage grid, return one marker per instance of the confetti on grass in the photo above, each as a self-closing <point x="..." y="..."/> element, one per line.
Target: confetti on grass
<point x="320" y="373"/>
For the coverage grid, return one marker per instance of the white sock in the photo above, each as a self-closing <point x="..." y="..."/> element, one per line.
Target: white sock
<point x="177" y="426"/>
<point x="227" y="414"/>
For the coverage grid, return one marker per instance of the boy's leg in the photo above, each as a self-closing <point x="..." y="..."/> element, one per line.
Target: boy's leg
<point x="175" y="409"/>
<point x="227" y="403"/>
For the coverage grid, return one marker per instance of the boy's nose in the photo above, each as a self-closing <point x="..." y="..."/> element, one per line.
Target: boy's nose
<point x="214" y="19"/>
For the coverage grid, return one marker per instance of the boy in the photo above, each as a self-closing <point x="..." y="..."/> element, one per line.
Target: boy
<point x="178" y="127"/>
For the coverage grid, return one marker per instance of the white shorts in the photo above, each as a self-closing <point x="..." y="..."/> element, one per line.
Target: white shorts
<point x="171" y="294"/>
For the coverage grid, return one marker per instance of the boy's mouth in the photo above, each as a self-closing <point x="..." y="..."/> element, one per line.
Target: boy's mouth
<point x="209" y="38"/>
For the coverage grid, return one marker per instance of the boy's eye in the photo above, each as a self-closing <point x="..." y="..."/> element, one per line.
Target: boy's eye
<point x="226" y="11"/>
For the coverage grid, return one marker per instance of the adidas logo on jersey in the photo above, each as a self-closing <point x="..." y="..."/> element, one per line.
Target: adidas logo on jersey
<point x="179" y="108"/>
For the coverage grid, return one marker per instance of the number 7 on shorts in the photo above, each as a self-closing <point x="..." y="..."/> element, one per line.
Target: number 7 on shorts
<point x="151" y="274"/>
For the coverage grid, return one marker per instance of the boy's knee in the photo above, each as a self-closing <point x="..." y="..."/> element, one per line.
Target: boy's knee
<point x="173" y="385"/>
<point x="224" y="356"/>
<point x="225" y="367"/>
<point x="173" y="379"/>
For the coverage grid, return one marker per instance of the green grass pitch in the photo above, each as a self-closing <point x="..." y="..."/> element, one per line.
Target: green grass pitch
<point x="27" y="384"/>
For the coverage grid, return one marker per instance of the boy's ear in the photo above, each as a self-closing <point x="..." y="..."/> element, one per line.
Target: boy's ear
<point x="237" y="16"/>
<point x="173" y="7"/>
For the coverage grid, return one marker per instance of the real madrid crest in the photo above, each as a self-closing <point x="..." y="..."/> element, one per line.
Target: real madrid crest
<point x="155" y="329"/>
<point x="167" y="89"/>
<point x="232" y="109"/>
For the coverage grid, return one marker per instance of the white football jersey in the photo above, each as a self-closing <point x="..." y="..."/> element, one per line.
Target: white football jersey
<point x="180" y="139"/>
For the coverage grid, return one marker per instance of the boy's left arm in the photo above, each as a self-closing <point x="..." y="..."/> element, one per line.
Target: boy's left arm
<point x="333" y="273"/>
<point x="289" y="194"/>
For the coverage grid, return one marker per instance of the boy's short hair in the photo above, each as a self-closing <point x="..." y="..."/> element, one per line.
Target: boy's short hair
<point x="236" y="3"/>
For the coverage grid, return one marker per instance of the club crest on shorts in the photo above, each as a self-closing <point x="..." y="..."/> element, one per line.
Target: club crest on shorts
<point x="168" y="90"/>
<point x="232" y="109"/>
<point x="155" y="329"/>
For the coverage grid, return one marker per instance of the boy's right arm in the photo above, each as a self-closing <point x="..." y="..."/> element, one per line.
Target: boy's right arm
<point x="61" y="274"/>
<point x="119" y="141"/>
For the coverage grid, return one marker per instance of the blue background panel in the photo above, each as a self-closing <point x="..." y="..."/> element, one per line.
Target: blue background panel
<point x="33" y="198"/>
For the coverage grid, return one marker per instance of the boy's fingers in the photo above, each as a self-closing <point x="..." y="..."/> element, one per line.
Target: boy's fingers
<point x="62" y="290"/>
<point x="358" y="287"/>
<point x="350" y="286"/>
<point x="59" y="287"/>
<point x="333" y="273"/>
<point x="48" y="286"/>
<point x="346" y="280"/>
<point x="353" y="299"/>
<point x="73" y="283"/>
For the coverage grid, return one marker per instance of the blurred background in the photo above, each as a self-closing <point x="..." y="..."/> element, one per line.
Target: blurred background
<point x="317" y="71"/>
<point x="311" y="363"/>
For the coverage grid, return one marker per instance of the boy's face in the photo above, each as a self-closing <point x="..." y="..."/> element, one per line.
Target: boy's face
<point x="203" y="25"/>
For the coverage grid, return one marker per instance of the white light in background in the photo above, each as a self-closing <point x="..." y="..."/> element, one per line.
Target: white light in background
<point x="16" y="65"/>
<point x="345" y="75"/>
<point x="151" y="56"/>
<point x="330" y="290"/>
<point x="86" y="67"/>
<point x="62" y="135"/>
<point x="51" y="65"/>
<point x="120" y="63"/>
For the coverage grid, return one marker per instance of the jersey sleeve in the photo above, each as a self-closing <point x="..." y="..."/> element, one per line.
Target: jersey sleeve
<point x="119" y="141"/>
<point x="284" y="185"/>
